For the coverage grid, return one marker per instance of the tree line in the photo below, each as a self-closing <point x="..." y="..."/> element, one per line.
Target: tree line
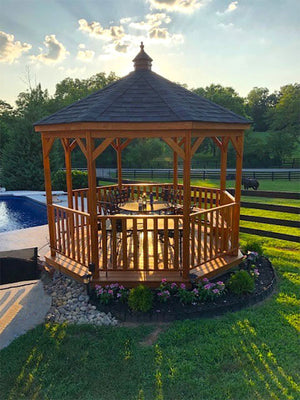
<point x="274" y="134"/>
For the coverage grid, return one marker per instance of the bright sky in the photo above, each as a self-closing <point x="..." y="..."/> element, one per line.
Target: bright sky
<point x="242" y="43"/>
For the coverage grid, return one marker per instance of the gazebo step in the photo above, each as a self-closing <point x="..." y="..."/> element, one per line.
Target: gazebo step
<point x="216" y="267"/>
<point x="133" y="278"/>
<point x="67" y="266"/>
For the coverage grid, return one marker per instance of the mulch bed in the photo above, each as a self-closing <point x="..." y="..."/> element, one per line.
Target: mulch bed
<point x="174" y="310"/>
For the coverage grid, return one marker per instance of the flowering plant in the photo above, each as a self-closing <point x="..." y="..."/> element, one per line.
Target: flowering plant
<point x="163" y="295"/>
<point x="209" y="290"/>
<point x="165" y="285"/>
<point x="186" y="296"/>
<point x="114" y="291"/>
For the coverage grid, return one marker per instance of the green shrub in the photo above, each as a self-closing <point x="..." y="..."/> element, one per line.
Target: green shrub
<point x="241" y="282"/>
<point x="253" y="245"/>
<point x="79" y="180"/>
<point x="140" y="298"/>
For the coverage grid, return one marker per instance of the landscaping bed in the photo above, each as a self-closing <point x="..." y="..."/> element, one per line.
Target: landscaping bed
<point x="175" y="309"/>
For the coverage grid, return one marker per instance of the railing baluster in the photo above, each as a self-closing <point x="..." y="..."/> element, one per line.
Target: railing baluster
<point x="135" y="245"/>
<point x="166" y="243"/>
<point x="145" y="244"/>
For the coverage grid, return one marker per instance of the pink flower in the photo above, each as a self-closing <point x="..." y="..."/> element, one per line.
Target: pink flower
<point x="220" y="283"/>
<point x="182" y="286"/>
<point x="119" y="295"/>
<point x="173" y="285"/>
<point x="121" y="287"/>
<point x="205" y="280"/>
<point x="207" y="287"/>
<point x="110" y="291"/>
<point x="195" y="291"/>
<point x="256" y="272"/>
<point x="164" y="280"/>
<point x="216" y="291"/>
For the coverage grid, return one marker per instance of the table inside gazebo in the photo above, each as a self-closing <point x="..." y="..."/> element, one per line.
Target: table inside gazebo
<point x="135" y="207"/>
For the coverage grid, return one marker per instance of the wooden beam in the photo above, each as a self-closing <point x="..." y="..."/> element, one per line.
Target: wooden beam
<point x="186" y="206"/>
<point x="196" y="145"/>
<point x="175" y="147"/>
<point x="48" y="143"/>
<point x="217" y="141"/>
<point x="223" y="174"/>
<point x="114" y="145"/>
<point x="72" y="145"/>
<point x="234" y="141"/>
<point x="92" y="202"/>
<point x="82" y="146"/>
<point x="181" y="142"/>
<point x="48" y="189"/>
<point x="68" y="164"/>
<point x="102" y="147"/>
<point x="140" y="126"/>
<point x="119" y="163"/>
<point x="125" y="144"/>
<point x="175" y="167"/>
<point x="237" y="194"/>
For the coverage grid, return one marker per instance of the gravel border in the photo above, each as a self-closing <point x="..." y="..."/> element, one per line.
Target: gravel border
<point x="70" y="302"/>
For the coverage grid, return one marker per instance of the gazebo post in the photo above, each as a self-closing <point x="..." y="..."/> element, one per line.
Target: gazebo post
<point x="238" y="144"/>
<point x="186" y="205"/>
<point x="119" y="163"/>
<point x="223" y="172"/>
<point x="68" y="164"/>
<point x="175" y="167"/>
<point x="47" y="145"/>
<point x="92" y="204"/>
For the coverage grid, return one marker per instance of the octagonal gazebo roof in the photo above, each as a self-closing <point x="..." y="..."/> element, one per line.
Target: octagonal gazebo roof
<point x="143" y="96"/>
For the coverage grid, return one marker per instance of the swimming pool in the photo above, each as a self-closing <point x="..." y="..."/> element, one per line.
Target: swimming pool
<point x="19" y="212"/>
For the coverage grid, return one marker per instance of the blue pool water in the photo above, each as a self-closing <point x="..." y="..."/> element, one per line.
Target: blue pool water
<point x="19" y="212"/>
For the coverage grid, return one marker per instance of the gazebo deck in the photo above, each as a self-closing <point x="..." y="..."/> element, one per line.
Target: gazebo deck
<point x="146" y="248"/>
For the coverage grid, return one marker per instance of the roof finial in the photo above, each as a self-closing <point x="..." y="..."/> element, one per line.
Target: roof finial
<point x="142" y="60"/>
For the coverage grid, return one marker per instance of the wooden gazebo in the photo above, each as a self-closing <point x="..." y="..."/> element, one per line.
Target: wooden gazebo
<point x="202" y="240"/>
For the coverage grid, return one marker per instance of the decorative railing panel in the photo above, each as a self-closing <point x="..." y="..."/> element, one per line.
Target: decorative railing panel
<point x="72" y="234"/>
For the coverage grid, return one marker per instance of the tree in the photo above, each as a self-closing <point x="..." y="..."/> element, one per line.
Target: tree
<point x="285" y="123"/>
<point x="259" y="104"/>
<point x="70" y="90"/>
<point x="224" y="96"/>
<point x="22" y="160"/>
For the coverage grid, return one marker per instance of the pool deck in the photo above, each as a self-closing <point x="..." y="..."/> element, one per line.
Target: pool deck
<point x="37" y="236"/>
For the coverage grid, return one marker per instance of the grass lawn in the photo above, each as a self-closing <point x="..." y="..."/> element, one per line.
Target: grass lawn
<point x="251" y="354"/>
<point x="279" y="185"/>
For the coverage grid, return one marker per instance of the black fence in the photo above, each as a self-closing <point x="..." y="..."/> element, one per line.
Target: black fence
<point x="153" y="173"/>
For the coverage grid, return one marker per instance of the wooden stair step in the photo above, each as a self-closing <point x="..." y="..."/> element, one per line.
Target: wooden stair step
<point x="67" y="266"/>
<point x="216" y="267"/>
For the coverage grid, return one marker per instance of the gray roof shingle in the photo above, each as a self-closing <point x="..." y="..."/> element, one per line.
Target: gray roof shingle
<point x="143" y="96"/>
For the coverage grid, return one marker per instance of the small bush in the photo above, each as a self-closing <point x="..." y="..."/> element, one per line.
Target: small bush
<point x="253" y="246"/>
<point x="79" y="180"/>
<point x="241" y="282"/>
<point x="140" y="298"/>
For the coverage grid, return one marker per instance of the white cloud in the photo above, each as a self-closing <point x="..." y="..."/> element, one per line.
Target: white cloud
<point x="183" y="6"/>
<point x="152" y="21"/>
<point x="55" y="51"/>
<point x="85" y="55"/>
<point x="95" y="29"/>
<point x="125" y="20"/>
<point x="11" y="50"/>
<point x="231" y="7"/>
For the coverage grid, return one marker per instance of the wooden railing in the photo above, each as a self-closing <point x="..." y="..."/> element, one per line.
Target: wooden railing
<point x="72" y="234"/>
<point x="140" y="242"/>
<point x="211" y="234"/>
<point x="201" y="197"/>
